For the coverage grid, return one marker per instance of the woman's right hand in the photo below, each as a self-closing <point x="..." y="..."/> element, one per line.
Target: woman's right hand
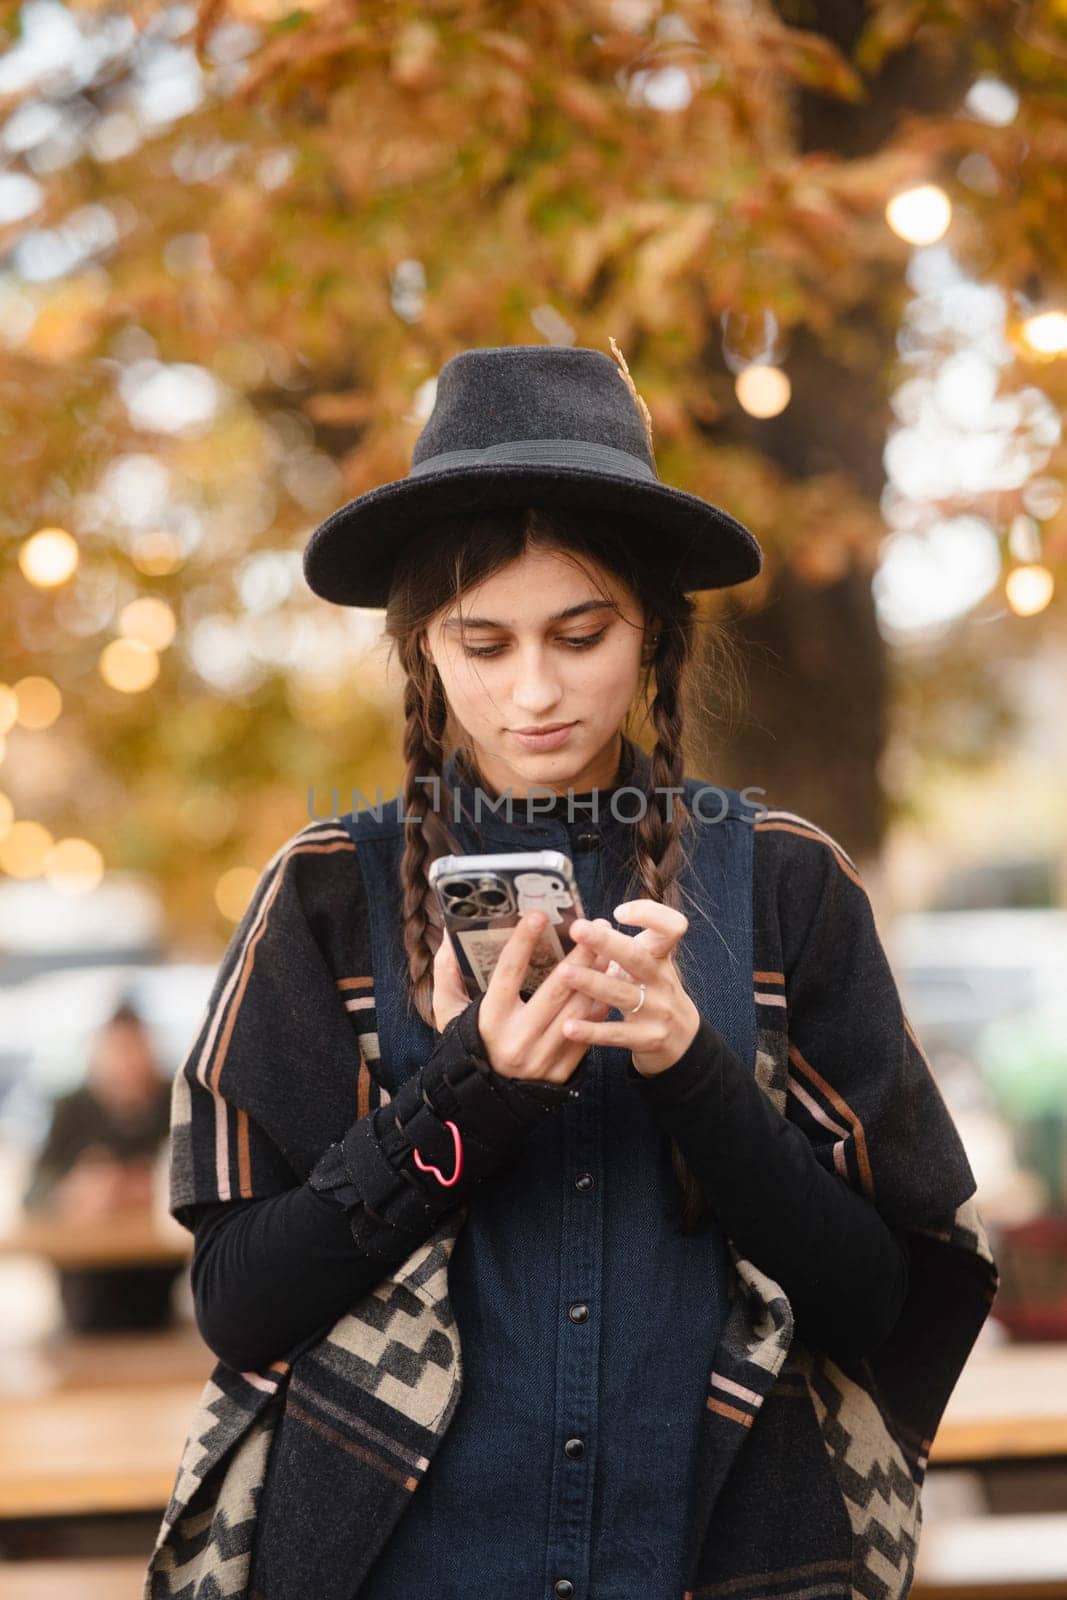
<point x="525" y="1038"/>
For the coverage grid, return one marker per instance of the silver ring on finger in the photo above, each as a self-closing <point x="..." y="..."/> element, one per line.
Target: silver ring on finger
<point x="640" y="1003"/>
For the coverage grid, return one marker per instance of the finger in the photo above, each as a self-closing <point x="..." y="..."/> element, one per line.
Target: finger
<point x="576" y="1004"/>
<point x="662" y="926"/>
<point x="515" y="954"/>
<point x="620" y="993"/>
<point x="449" y="985"/>
<point x="549" y="996"/>
<point x="549" y="1052"/>
<point x="650" y="914"/>
<point x="446" y="963"/>
<point x="630" y="953"/>
<point x="576" y="1007"/>
<point x="625" y="1034"/>
<point x="514" y="958"/>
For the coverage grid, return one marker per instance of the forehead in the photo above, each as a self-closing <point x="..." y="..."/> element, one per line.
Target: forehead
<point x="538" y="589"/>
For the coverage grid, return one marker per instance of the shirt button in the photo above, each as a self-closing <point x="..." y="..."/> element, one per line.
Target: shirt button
<point x="587" y="841"/>
<point x="584" y="1181"/>
<point x="574" y="1449"/>
<point x="579" y="1312"/>
<point x="564" y="1588"/>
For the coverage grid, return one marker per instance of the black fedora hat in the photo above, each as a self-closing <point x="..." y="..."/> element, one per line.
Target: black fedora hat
<point x="514" y="425"/>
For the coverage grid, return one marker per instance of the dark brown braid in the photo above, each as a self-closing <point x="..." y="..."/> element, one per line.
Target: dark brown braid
<point x="425" y="719"/>
<point x="659" y="843"/>
<point x="453" y="556"/>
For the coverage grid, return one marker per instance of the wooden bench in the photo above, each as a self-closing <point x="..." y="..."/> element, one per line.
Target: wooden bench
<point x="1010" y="1402"/>
<point x="115" y="1578"/>
<point x="67" y="1360"/>
<point x="86" y="1451"/>
<point x="135" y="1238"/>
<point x="993" y="1558"/>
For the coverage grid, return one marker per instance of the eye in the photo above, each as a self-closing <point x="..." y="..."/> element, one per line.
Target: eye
<point x="585" y="640"/>
<point x="578" y="642"/>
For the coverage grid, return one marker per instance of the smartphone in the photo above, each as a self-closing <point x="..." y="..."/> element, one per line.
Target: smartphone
<point x="482" y="899"/>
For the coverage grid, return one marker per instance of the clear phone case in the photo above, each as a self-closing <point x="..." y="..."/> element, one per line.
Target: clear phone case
<point x="482" y="898"/>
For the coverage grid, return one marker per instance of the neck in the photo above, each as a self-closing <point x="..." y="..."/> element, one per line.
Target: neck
<point x="496" y="778"/>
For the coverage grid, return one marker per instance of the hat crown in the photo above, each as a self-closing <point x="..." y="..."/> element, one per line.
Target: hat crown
<point x="500" y="394"/>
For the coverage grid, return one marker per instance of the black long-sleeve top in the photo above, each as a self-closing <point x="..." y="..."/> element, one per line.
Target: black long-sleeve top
<point x="267" y="1273"/>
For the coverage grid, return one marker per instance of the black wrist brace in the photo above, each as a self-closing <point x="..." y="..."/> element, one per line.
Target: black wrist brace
<point x="371" y="1171"/>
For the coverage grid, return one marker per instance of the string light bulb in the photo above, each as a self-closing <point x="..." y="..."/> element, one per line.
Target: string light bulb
<point x="920" y="215"/>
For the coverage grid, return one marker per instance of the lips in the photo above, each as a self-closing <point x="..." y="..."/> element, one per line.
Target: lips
<point x="545" y="738"/>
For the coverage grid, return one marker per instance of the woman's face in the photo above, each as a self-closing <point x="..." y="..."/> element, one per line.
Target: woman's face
<point x="515" y="660"/>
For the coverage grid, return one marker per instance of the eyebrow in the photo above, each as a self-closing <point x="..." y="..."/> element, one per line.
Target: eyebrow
<point x="560" y="616"/>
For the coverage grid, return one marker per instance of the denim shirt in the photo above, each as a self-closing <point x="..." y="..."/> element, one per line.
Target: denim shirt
<point x="568" y="1466"/>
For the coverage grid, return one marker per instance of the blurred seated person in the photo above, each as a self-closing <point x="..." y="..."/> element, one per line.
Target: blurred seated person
<point x="97" y="1162"/>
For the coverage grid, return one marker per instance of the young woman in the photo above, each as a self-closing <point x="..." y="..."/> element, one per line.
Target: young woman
<point x="652" y="1284"/>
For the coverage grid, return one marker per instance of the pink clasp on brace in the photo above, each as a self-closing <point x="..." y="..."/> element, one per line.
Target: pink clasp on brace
<point x="428" y="1166"/>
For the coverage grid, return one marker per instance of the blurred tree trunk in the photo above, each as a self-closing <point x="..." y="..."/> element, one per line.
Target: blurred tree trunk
<point x="814" y="726"/>
<point x="818" y="674"/>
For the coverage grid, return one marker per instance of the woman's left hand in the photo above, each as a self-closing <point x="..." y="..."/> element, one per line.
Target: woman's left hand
<point x="667" y="1022"/>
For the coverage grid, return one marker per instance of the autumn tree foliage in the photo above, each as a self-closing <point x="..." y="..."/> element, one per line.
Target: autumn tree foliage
<point x="290" y="218"/>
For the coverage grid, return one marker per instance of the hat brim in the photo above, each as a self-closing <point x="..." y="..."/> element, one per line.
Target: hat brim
<point x="349" y="558"/>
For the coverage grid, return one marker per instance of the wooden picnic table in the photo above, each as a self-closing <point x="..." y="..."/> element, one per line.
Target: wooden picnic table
<point x="67" y="1360"/>
<point x="1010" y="1402"/>
<point x="98" y="1424"/>
<point x="105" y="1578"/>
<point x="85" y="1451"/>
<point x="127" y="1238"/>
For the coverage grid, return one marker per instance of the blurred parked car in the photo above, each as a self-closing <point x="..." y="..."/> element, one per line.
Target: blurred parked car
<point x="961" y="970"/>
<point x="986" y="991"/>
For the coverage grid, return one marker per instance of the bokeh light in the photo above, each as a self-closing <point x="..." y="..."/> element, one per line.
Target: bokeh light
<point x="128" y="665"/>
<point x="234" y="890"/>
<point x="74" y="866"/>
<point x="48" y="557"/>
<point x="150" y="620"/>
<point x="1046" y="333"/>
<point x="39" y="702"/>
<point x="920" y="215"/>
<point x="763" y="391"/>
<point x="1029" y="589"/>
<point x="24" y="848"/>
<point x="157" y="552"/>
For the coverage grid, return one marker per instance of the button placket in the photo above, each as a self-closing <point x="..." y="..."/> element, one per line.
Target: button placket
<point x="569" y="1548"/>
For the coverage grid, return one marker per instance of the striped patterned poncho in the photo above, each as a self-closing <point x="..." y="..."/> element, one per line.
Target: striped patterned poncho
<point x="810" y="1474"/>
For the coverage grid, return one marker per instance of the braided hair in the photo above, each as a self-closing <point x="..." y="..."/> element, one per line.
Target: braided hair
<point x="447" y="559"/>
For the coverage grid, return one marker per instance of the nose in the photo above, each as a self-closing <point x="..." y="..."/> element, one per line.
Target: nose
<point x="536" y="689"/>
